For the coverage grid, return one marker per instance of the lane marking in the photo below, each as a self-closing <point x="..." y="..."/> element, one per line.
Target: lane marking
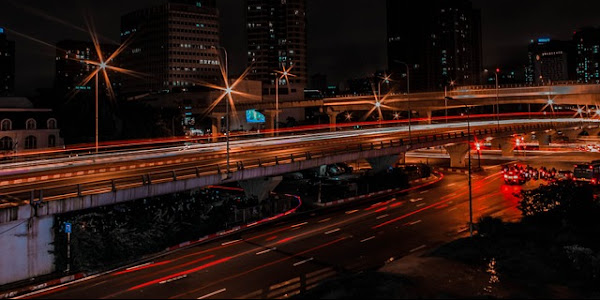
<point x="382" y="216"/>
<point x="324" y="220"/>
<point x="212" y="294"/>
<point x="413" y="223"/>
<point x="332" y="231"/>
<point x="418" y="248"/>
<point x="454" y="208"/>
<point x="351" y="212"/>
<point x="413" y="200"/>
<point x="424" y="192"/>
<point x="302" y="262"/>
<point x="173" y="279"/>
<point x="451" y="184"/>
<point x="297" y="225"/>
<point x="367" y="239"/>
<point x="266" y="251"/>
<point x="421" y="204"/>
<point x="139" y="266"/>
<point x="230" y="242"/>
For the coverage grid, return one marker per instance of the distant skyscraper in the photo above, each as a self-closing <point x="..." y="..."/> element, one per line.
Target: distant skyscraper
<point x="587" y="42"/>
<point x="7" y="65"/>
<point x="550" y="60"/>
<point x="440" y="41"/>
<point x="71" y="69"/>
<point x="173" y="45"/>
<point x="276" y="37"/>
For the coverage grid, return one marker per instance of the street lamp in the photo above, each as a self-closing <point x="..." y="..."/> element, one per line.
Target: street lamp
<point x="469" y="142"/>
<point x="228" y="91"/>
<point x="408" y="96"/>
<point x="452" y="82"/>
<point x="285" y="73"/>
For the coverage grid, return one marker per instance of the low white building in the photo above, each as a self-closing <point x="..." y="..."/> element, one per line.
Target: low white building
<point x="23" y="127"/>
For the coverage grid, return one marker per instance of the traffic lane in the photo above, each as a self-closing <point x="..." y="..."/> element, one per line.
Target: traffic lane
<point x="275" y="235"/>
<point x="359" y="241"/>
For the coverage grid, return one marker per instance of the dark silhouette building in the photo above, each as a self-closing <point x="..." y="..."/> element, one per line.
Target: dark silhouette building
<point x="439" y="40"/>
<point x="173" y="45"/>
<point x="277" y="37"/>
<point x="7" y="65"/>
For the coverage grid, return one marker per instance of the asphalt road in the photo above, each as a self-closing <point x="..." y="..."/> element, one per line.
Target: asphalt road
<point x="285" y="258"/>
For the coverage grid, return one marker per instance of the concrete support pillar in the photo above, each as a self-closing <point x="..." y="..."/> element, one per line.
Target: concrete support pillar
<point x="572" y="135"/>
<point x="332" y="119"/>
<point x="457" y="154"/>
<point x="425" y="114"/>
<point x="215" y="127"/>
<point x="260" y="188"/>
<point x="507" y="145"/>
<point x="382" y="163"/>
<point x="593" y="131"/>
<point x="544" y="139"/>
<point x="270" y="116"/>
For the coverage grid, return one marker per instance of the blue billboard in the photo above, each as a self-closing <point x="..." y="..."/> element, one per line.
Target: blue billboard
<point x="253" y="116"/>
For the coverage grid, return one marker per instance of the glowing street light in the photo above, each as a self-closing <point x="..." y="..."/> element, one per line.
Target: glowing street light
<point x="279" y="75"/>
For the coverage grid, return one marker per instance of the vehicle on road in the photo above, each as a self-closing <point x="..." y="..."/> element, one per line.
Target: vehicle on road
<point x="587" y="172"/>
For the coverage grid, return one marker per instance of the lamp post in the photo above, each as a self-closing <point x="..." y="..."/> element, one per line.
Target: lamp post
<point x="408" y="97"/>
<point x="470" y="185"/>
<point x="446" y="98"/>
<point x="285" y="73"/>
<point x="228" y="90"/>
<point x="497" y="98"/>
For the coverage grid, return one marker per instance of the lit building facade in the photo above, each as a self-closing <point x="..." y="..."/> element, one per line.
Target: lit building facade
<point x="174" y="46"/>
<point x="7" y="64"/>
<point x="277" y="37"/>
<point x="23" y="127"/>
<point x="71" y="68"/>
<point x="587" y="42"/>
<point x="550" y="61"/>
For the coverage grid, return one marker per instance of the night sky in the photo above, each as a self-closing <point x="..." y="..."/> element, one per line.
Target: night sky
<point x="346" y="38"/>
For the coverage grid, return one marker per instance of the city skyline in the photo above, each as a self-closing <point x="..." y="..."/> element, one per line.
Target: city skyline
<point x="353" y="33"/>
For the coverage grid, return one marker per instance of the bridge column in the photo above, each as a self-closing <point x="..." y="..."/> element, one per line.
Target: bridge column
<point x="380" y="164"/>
<point x="572" y="135"/>
<point x="457" y="154"/>
<point x="507" y="145"/>
<point x="215" y="127"/>
<point x="260" y="188"/>
<point x="425" y="114"/>
<point x="544" y="139"/>
<point x="332" y="117"/>
<point x="593" y="131"/>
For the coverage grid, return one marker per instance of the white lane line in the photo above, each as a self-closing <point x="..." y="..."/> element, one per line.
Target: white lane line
<point x="332" y="231"/>
<point x="298" y="225"/>
<point x="230" y="242"/>
<point x="172" y="279"/>
<point x="324" y="220"/>
<point x="351" y="212"/>
<point x="139" y="266"/>
<point x="424" y="192"/>
<point x="453" y="194"/>
<point x="367" y="239"/>
<point x="418" y="248"/>
<point x="212" y="294"/>
<point x="381" y="217"/>
<point x="451" y="209"/>
<point x="302" y="262"/>
<point x="415" y="222"/>
<point x="416" y="200"/>
<point x="420" y="204"/>
<point x="266" y="251"/>
<point x="451" y="184"/>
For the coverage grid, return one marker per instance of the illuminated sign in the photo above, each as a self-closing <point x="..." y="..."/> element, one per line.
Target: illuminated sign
<point x="253" y="116"/>
<point x="1" y="30"/>
<point x="543" y="40"/>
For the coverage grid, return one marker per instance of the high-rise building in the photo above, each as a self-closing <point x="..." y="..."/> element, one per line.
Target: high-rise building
<point x="587" y="42"/>
<point x="439" y="40"/>
<point x="173" y="45"/>
<point x="71" y="68"/>
<point x="276" y="38"/>
<point x="7" y="65"/>
<point x="550" y="61"/>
